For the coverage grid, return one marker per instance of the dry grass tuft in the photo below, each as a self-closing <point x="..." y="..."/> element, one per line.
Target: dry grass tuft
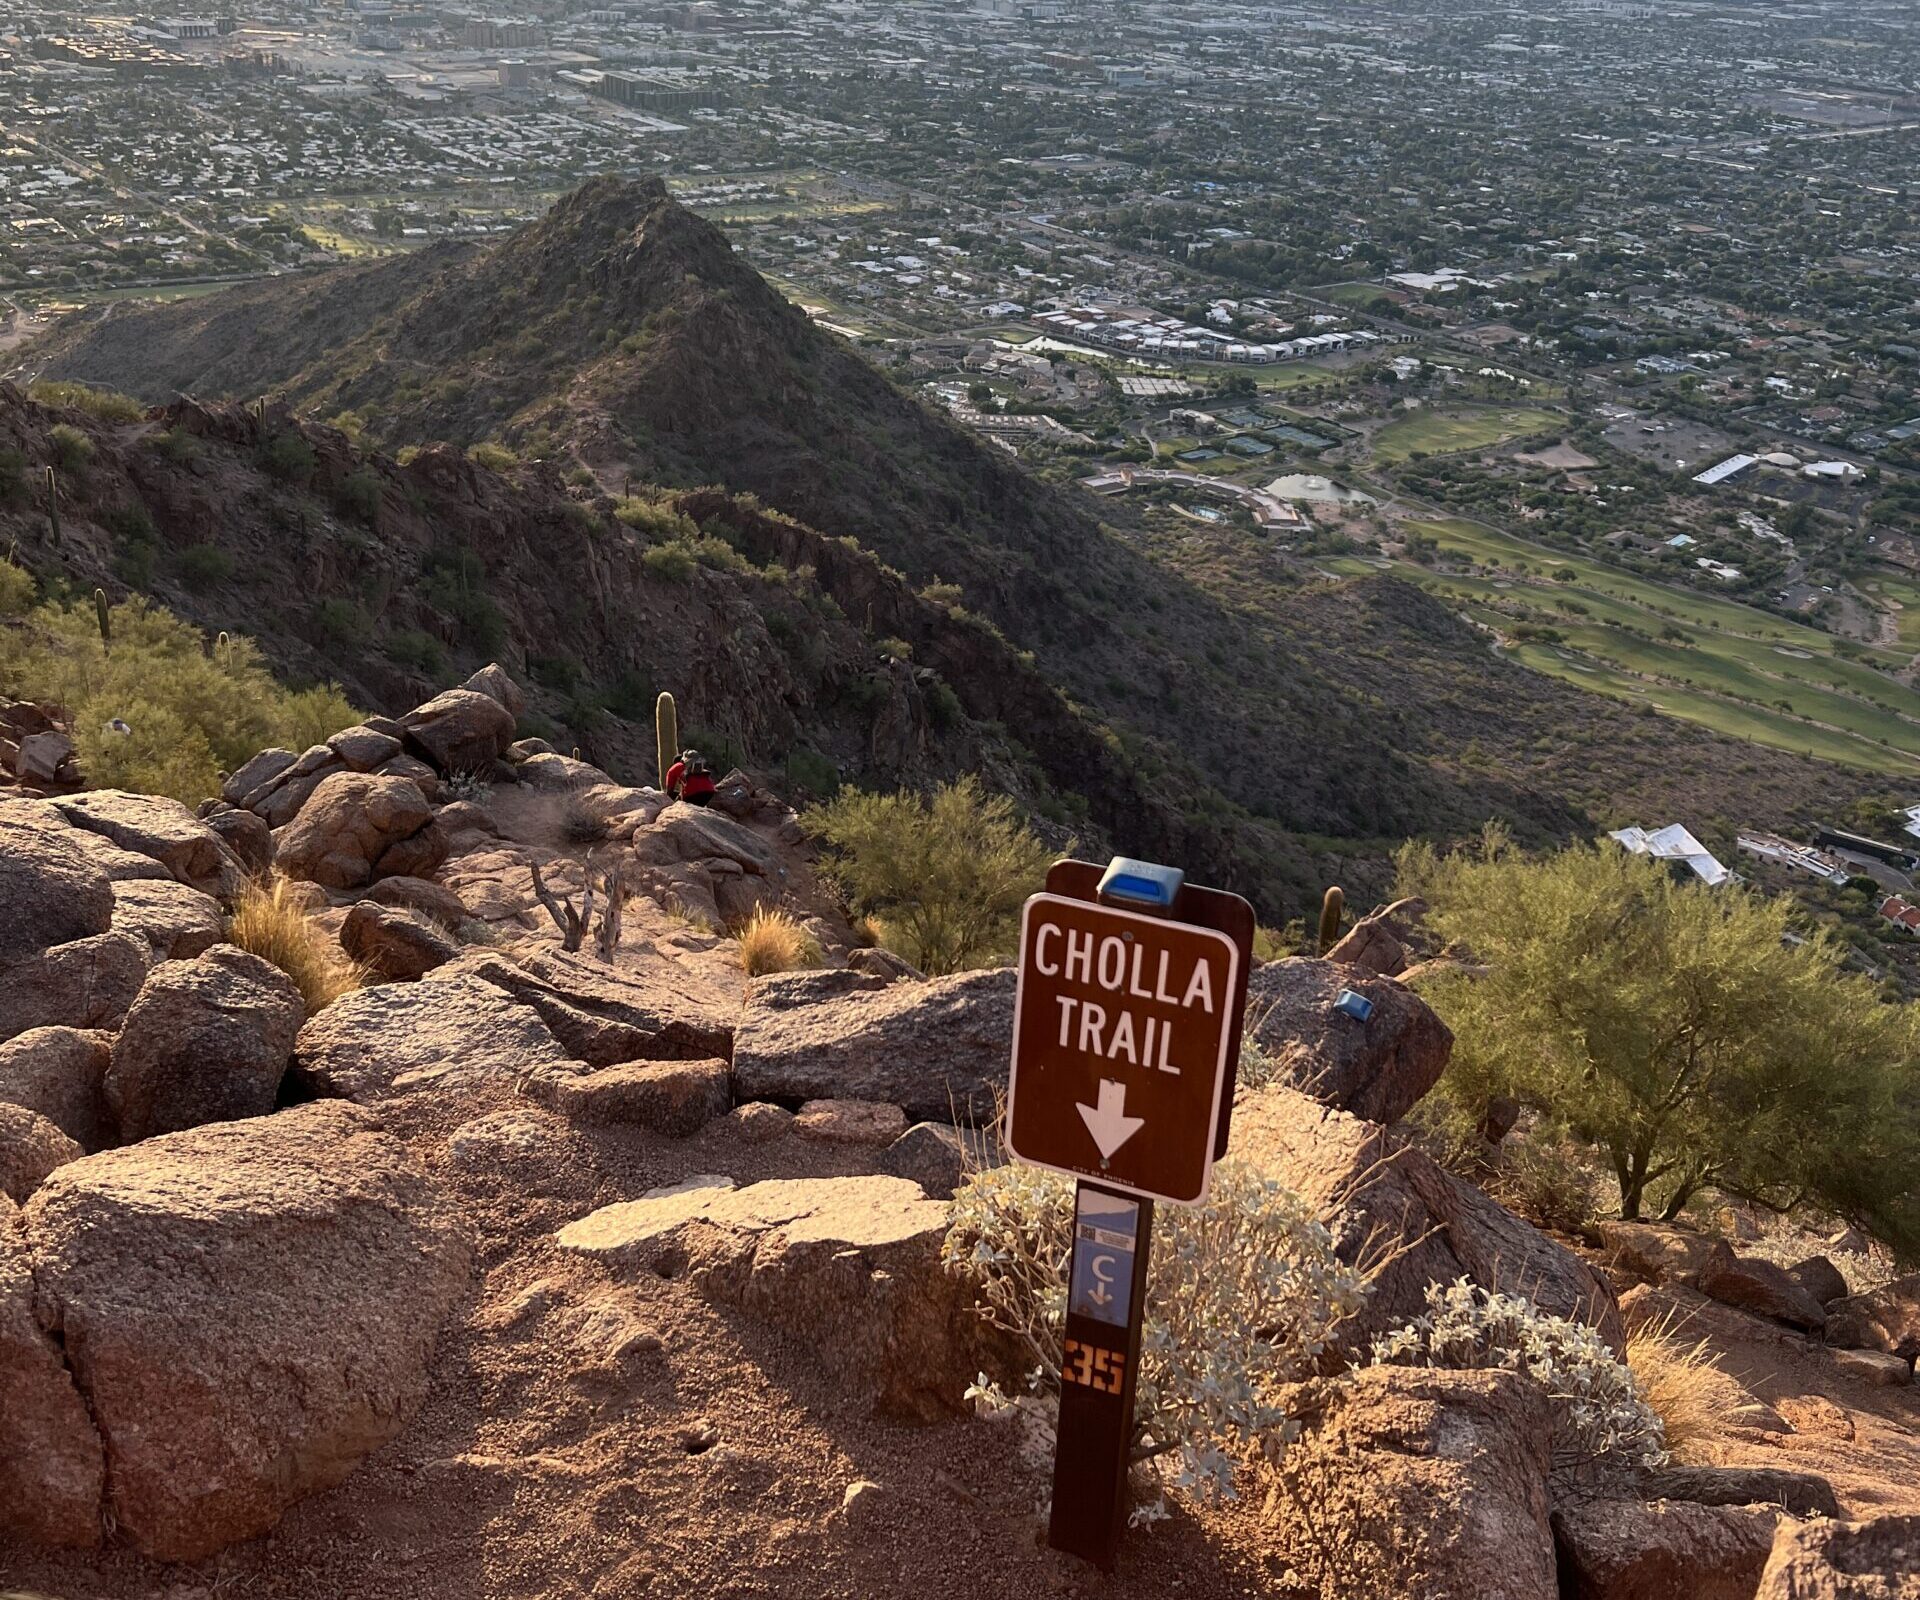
<point x="1696" y="1401"/>
<point x="269" y="923"/>
<point x="772" y="941"/>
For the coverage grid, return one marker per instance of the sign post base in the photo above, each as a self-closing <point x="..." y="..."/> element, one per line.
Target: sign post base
<point x="1100" y="1363"/>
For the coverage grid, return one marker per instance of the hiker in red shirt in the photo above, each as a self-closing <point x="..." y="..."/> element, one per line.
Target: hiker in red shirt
<point x="691" y="779"/>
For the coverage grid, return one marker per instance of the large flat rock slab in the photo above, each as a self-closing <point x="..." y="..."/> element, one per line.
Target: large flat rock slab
<point x="937" y="1049"/>
<point x="848" y="1267"/>
<point x="397" y="1038"/>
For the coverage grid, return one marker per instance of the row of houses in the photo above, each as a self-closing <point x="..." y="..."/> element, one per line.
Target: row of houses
<point x="1169" y="337"/>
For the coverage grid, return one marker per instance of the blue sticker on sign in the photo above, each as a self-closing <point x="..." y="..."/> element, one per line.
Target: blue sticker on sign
<point x="1104" y="1232"/>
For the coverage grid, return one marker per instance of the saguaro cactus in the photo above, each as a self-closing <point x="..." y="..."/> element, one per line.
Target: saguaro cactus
<point x="666" y="734"/>
<point x="53" y="507"/>
<point x="1331" y="906"/>
<point x="100" y="611"/>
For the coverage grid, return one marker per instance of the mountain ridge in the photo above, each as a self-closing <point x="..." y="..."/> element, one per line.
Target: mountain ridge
<point x="1270" y="734"/>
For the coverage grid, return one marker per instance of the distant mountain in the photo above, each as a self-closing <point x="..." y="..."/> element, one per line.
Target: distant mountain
<point x="1266" y="734"/>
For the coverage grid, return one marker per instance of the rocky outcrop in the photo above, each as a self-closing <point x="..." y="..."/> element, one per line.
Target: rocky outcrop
<point x="1660" y="1252"/>
<point x="245" y="834"/>
<point x="1422" y="1482"/>
<point x="936" y="1049"/>
<point x="419" y="894"/>
<point x="51" y="1466"/>
<point x="59" y="1073"/>
<point x="206" y="1041"/>
<point x="247" y="1308"/>
<point x="162" y="830"/>
<point x="461" y="730"/>
<point x="1873" y="1560"/>
<point x="1661" y="1550"/>
<point x="938" y="1157"/>
<point x="394" y="1038"/>
<point x="1820" y="1278"/>
<point x="675" y="1098"/>
<point x="52" y="889"/>
<point x="31" y="1147"/>
<point x="395" y="944"/>
<point x="1389" y="1205"/>
<point x="1764" y="1288"/>
<point x="178" y="922"/>
<point x="344" y="833"/>
<point x="605" y="1015"/>
<point x="86" y="983"/>
<point x="1377" y="1069"/>
<point x="1885" y="1319"/>
<point x="848" y="1267"/>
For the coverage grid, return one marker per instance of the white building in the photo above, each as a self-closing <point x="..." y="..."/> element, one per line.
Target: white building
<point x="1674" y="844"/>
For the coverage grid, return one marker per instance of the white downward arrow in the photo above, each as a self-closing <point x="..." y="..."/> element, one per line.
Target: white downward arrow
<point x="1109" y="1123"/>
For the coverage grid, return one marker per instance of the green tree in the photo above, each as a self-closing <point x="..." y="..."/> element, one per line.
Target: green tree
<point x="944" y="877"/>
<point x="1679" y="1030"/>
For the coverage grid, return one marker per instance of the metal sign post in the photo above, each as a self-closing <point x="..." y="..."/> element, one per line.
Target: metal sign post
<point x="1126" y="1035"/>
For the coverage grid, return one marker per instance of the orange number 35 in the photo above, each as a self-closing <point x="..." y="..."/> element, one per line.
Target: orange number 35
<point x="1098" y="1369"/>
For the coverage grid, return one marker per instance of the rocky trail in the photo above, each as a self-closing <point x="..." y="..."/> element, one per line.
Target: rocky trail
<point x="526" y="1271"/>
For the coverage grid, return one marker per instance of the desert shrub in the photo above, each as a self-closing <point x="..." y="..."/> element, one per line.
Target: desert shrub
<point x="129" y="521"/>
<point x="72" y="449"/>
<point x="463" y="783"/>
<point x="360" y="493"/>
<point x="671" y="563"/>
<point x="1244" y="1293"/>
<point x="102" y="403"/>
<point x="270" y="924"/>
<point x="656" y="517"/>
<point x="188" y="715"/>
<point x="1678" y="1029"/>
<point x="203" y="567"/>
<point x="494" y="457"/>
<point x="1598" y="1407"/>
<point x="947" y="875"/>
<point x="773" y="941"/>
<point x="811" y="773"/>
<point x="1693" y="1398"/>
<point x="456" y="583"/>
<point x="630" y="695"/>
<point x="177" y="446"/>
<point x="338" y="620"/>
<point x="584" y="821"/>
<point x="412" y="648"/>
<point x="16" y="590"/>
<point x="943" y="705"/>
<point x="288" y="457"/>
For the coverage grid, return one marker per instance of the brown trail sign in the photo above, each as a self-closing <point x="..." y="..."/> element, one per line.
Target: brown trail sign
<point x="1132" y="993"/>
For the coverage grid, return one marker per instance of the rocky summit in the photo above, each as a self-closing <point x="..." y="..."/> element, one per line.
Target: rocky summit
<point x="529" y="1260"/>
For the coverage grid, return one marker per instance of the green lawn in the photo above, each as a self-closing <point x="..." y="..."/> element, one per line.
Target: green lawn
<point x="1614" y="645"/>
<point x="1444" y="432"/>
<point x="1355" y="294"/>
<point x="1724" y="716"/>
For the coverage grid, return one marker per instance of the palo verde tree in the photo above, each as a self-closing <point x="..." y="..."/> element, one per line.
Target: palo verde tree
<point x="1680" y="1030"/>
<point x="944" y="878"/>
